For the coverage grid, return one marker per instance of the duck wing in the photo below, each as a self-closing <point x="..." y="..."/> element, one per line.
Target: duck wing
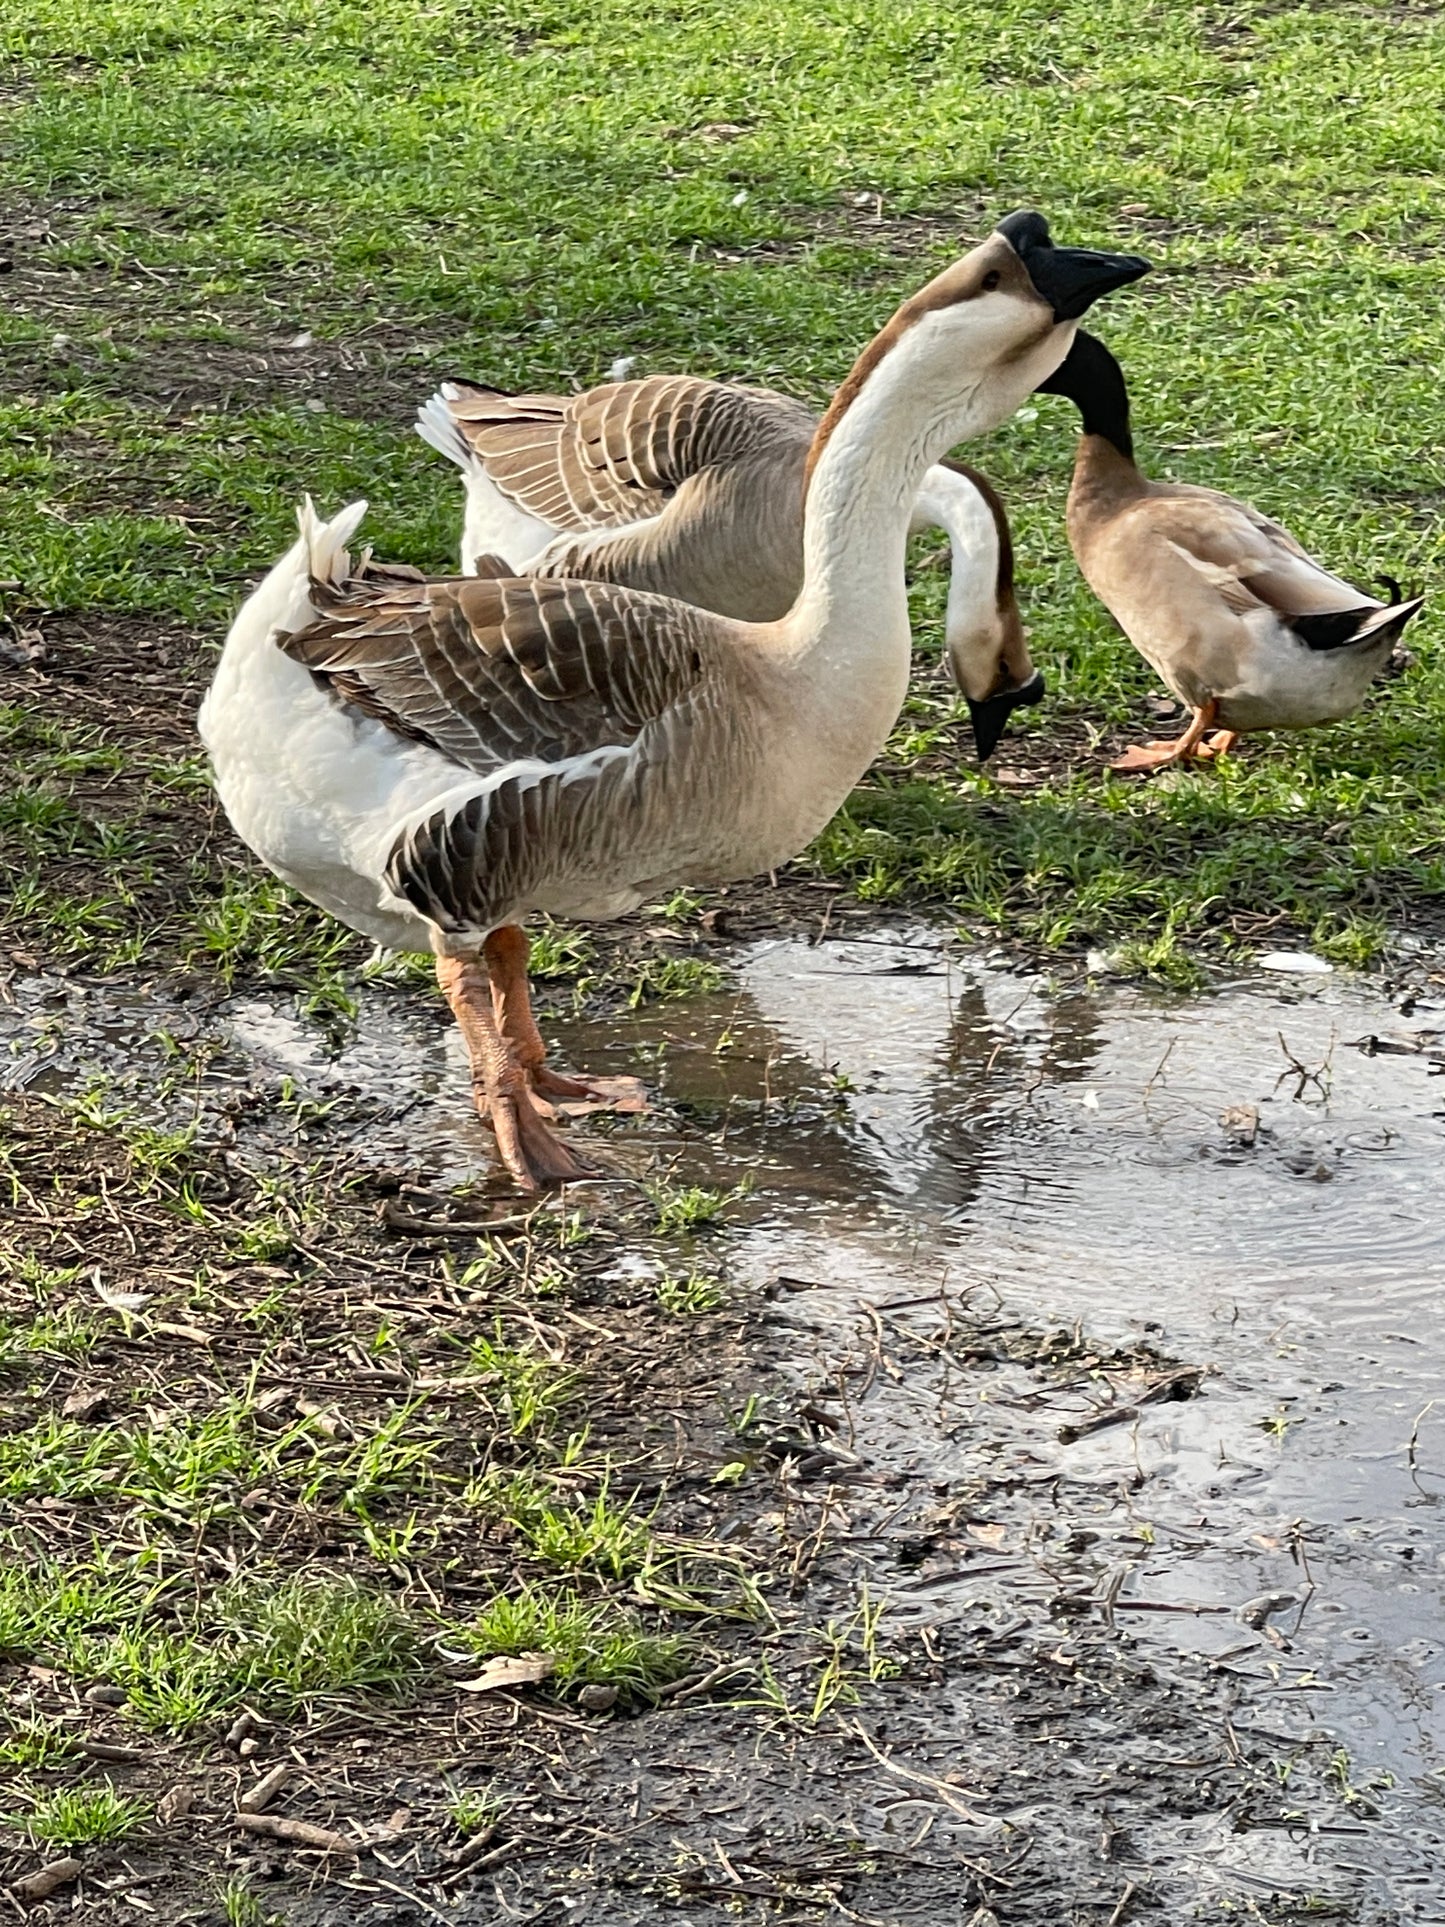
<point x="500" y="669"/>
<point x="617" y="453"/>
<point x="1254" y="565"/>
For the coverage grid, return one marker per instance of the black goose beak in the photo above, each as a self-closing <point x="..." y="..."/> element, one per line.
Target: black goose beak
<point x="990" y="718"/>
<point x="1071" y="280"/>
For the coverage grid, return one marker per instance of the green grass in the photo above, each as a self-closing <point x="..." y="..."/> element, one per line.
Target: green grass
<point x="472" y="1812"/>
<point x="688" y="1294"/>
<point x="35" y="1742"/>
<point x="688" y="1207"/>
<point x="526" y="191"/>
<point x="526" y="1389"/>
<point x="183" y="1663"/>
<point x="241" y="1906"/>
<point x="599" y="1535"/>
<point x="79" y="1816"/>
<point x="593" y="1642"/>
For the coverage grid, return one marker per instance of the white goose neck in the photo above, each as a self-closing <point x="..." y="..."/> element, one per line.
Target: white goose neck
<point x="860" y="501"/>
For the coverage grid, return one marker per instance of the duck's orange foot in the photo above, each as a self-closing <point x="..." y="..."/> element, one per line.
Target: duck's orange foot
<point x="1150" y="756"/>
<point x="1221" y="743"/>
<point x="1147" y="756"/>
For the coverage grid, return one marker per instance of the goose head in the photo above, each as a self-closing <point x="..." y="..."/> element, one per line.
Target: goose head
<point x="961" y="355"/>
<point x="992" y="666"/>
<point x="983" y="631"/>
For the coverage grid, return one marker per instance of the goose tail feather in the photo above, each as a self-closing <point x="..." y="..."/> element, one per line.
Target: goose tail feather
<point x="328" y="561"/>
<point x="280" y="604"/>
<point x="437" y="426"/>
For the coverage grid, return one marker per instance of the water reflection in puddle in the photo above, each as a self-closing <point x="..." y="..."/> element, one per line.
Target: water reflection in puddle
<point x="1231" y="1180"/>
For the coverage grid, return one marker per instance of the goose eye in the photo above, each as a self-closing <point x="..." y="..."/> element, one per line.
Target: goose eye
<point x="990" y="281"/>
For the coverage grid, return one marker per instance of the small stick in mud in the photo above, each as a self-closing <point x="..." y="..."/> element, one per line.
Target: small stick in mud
<point x="397" y="1218"/>
<point x="1413" y="1449"/>
<point x="940" y="1788"/>
<point x="259" y="1795"/>
<point x="1303" y="1075"/>
<point x="48" y="1880"/>
<point x="296" y="1833"/>
<point x="1123" y="1906"/>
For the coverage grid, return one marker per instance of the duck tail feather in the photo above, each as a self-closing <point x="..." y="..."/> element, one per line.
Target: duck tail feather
<point x="1348" y="628"/>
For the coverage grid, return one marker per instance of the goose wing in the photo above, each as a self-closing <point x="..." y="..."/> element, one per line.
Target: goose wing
<point x="617" y="453"/>
<point x="496" y="670"/>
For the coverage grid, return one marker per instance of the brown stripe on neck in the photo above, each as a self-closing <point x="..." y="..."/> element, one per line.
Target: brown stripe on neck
<point x="1004" y="583"/>
<point x="957" y="283"/>
<point x="853" y="382"/>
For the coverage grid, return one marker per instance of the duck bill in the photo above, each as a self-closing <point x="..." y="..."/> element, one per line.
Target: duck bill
<point x="990" y="718"/>
<point x="1071" y="280"/>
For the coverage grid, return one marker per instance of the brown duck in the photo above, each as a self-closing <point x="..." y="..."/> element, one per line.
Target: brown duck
<point x="1245" y="628"/>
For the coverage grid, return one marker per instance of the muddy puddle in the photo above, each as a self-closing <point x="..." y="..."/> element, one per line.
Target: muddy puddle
<point x="1221" y="1218"/>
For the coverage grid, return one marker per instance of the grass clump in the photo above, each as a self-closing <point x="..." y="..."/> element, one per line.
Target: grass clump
<point x="35" y="1742"/>
<point x="687" y="1295"/>
<point x="67" y="1333"/>
<point x="310" y="1640"/>
<point x="525" y="1388"/>
<point x="474" y="1813"/>
<point x="83" y="1816"/>
<point x="256" y="926"/>
<point x="593" y="1643"/>
<point x="664" y="979"/>
<point x="688" y="1207"/>
<point x="190" y="1463"/>
<point x="241" y="1906"/>
<point x="598" y="1535"/>
<point x="316" y="1637"/>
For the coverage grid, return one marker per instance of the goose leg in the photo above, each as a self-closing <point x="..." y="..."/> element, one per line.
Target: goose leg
<point x="1159" y="755"/>
<point x="505" y="954"/>
<point x="530" y="1150"/>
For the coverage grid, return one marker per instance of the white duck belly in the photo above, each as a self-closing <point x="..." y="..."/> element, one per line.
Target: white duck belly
<point x="1288" y="685"/>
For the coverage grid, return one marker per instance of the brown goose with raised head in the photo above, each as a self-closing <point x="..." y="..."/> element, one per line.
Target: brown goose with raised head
<point x="431" y="761"/>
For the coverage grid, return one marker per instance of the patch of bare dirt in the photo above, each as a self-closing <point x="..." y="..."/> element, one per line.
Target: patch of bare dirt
<point x="118" y="324"/>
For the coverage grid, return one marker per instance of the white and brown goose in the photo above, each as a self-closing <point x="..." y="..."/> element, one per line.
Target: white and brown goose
<point x="1245" y="628"/>
<point x="431" y="761"/>
<point x="694" y="489"/>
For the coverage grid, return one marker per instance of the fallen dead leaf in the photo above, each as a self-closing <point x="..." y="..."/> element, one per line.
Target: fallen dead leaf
<point x="1241" y="1121"/>
<point x="190" y="1334"/>
<point x="86" y="1402"/>
<point x="175" y="1804"/>
<point x="525" y="1669"/>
